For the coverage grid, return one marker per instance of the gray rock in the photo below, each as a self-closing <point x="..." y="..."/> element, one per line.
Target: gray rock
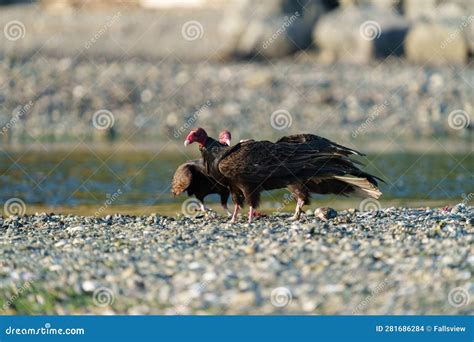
<point x="272" y="28"/>
<point x="367" y="33"/>
<point x="325" y="213"/>
<point x="435" y="43"/>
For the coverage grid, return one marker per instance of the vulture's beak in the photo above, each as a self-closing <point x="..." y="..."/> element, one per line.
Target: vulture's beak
<point x="186" y="143"/>
<point x="227" y="142"/>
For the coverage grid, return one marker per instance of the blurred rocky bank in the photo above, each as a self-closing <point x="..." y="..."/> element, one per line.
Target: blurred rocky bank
<point x="347" y="69"/>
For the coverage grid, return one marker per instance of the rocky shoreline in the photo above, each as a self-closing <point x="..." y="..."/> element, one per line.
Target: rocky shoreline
<point x="388" y="261"/>
<point x="139" y="100"/>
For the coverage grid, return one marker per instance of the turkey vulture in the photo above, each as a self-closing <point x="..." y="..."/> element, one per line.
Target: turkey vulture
<point x="357" y="183"/>
<point x="352" y="181"/>
<point x="249" y="168"/>
<point x="193" y="178"/>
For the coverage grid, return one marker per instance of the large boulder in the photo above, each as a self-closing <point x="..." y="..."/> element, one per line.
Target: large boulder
<point x="270" y="28"/>
<point x="436" y="43"/>
<point x="354" y="34"/>
<point x="431" y="9"/>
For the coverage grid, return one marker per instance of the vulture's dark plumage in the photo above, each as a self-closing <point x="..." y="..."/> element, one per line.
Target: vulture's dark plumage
<point x="192" y="178"/>
<point x="347" y="180"/>
<point x="253" y="166"/>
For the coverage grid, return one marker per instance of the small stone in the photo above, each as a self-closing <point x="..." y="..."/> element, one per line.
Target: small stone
<point x="325" y="214"/>
<point x="88" y="286"/>
<point x="75" y="229"/>
<point x="243" y="299"/>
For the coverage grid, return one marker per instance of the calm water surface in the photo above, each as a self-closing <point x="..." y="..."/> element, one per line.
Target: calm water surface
<point x="68" y="179"/>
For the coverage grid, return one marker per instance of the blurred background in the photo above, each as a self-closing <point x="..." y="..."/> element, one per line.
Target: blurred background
<point x="96" y="97"/>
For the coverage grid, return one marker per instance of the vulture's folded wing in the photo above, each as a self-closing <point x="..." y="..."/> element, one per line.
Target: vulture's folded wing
<point x="319" y="143"/>
<point x="258" y="161"/>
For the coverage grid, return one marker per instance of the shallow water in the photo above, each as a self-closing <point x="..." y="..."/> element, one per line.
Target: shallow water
<point x="143" y="178"/>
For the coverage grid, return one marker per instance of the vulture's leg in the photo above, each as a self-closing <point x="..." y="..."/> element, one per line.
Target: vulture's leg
<point x="302" y="197"/>
<point x="299" y="206"/>
<point x="253" y="198"/>
<point x="238" y="200"/>
<point x="251" y="213"/>
<point x="234" y="215"/>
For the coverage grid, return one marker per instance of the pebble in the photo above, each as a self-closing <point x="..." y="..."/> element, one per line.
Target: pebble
<point x="325" y="214"/>
<point x="207" y="265"/>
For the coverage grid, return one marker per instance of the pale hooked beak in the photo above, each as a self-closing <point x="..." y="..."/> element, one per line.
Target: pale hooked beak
<point x="227" y="142"/>
<point x="186" y="143"/>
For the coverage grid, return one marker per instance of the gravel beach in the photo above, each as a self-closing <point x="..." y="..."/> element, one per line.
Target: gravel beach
<point x="388" y="261"/>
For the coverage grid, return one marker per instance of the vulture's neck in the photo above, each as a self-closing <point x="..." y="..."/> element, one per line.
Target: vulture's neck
<point x="211" y="150"/>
